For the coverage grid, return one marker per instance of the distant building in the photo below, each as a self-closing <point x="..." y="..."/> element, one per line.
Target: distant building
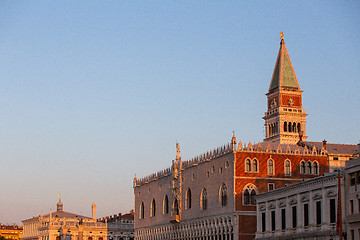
<point x="352" y="198"/>
<point x="11" y="231"/>
<point x="60" y="224"/>
<point x="212" y="196"/>
<point x="120" y="227"/>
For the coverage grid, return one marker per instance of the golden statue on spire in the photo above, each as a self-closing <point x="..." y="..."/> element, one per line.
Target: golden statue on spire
<point x="281" y="35"/>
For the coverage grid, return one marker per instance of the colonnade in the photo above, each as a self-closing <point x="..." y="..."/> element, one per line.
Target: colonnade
<point x="217" y="228"/>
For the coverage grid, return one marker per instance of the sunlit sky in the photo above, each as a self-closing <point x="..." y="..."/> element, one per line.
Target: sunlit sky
<point x="94" y="92"/>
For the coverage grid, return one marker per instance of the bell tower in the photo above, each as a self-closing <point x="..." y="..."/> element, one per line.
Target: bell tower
<point x="285" y="117"/>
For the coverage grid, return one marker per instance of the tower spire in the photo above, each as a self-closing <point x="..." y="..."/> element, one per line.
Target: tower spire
<point x="285" y="118"/>
<point x="284" y="75"/>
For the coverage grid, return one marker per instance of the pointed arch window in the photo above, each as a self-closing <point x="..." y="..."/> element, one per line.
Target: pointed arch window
<point x="294" y="127"/>
<point x="223" y="195"/>
<point x="176" y="207"/>
<point x="255" y="165"/>
<point x="290" y="127"/>
<point x="302" y="167"/>
<point x="188" y="199"/>
<point x="308" y="167"/>
<point x="287" y="167"/>
<point x="141" y="211"/>
<point x="273" y="128"/>
<point x="249" y="193"/>
<point x="270" y="167"/>
<point x="246" y="197"/>
<point x="166" y="205"/>
<point x="247" y="165"/>
<point x="203" y="199"/>
<point x="298" y="127"/>
<point x="285" y="126"/>
<point x="152" y="208"/>
<point x="252" y="197"/>
<point x="316" y="168"/>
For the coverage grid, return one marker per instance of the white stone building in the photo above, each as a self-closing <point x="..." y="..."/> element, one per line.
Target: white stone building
<point x="352" y="198"/>
<point x="120" y="226"/>
<point x="176" y="206"/>
<point x="306" y="210"/>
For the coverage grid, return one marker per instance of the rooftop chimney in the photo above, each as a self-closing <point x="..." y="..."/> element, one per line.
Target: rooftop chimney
<point x="324" y="144"/>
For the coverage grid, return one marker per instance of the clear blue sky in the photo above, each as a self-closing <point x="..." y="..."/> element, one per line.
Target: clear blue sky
<point x="93" y="92"/>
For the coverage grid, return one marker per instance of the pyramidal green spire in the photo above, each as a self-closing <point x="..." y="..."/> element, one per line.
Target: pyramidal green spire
<point x="284" y="74"/>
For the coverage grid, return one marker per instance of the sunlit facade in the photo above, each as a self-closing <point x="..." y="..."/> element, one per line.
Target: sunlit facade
<point x="60" y="224"/>
<point x="212" y="196"/>
<point x="14" y="232"/>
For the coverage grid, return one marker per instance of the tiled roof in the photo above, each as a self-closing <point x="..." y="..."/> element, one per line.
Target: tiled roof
<point x="335" y="148"/>
<point x="128" y="216"/>
<point x="115" y="218"/>
<point x="63" y="214"/>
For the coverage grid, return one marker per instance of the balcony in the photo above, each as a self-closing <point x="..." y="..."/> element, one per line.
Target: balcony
<point x="175" y="219"/>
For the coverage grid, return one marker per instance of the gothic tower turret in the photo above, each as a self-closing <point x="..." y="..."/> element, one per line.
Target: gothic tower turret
<point x="59" y="206"/>
<point x="285" y="117"/>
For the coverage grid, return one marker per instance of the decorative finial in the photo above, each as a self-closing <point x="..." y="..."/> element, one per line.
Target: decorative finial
<point x="233" y="141"/>
<point x="177" y="150"/>
<point x="281" y="35"/>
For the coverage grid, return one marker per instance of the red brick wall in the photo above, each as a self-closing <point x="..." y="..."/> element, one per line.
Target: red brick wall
<point x="247" y="227"/>
<point x="261" y="178"/>
<point x="285" y="100"/>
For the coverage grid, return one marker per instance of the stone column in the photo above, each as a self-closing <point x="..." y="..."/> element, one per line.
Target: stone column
<point x="81" y="231"/>
<point x="312" y="212"/>
<point x="267" y="220"/>
<point x="234" y="227"/>
<point x="300" y="215"/>
<point x="277" y="219"/>
<point x="258" y="222"/>
<point x="288" y="217"/>
<point x="325" y="209"/>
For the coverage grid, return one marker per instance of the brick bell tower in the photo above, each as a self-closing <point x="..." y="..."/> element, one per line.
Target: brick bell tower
<point x="285" y="117"/>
